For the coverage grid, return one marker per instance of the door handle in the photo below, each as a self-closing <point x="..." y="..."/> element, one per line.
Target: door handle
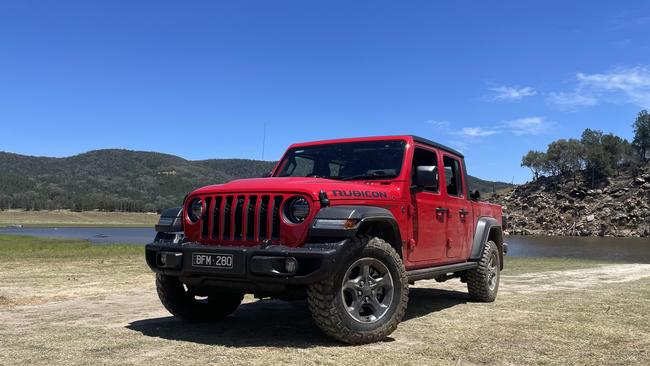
<point x="463" y="212"/>
<point x="442" y="211"/>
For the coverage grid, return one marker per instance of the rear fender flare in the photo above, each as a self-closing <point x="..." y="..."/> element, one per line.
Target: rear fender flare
<point x="487" y="228"/>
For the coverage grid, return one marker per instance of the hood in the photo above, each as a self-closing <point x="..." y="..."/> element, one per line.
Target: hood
<point x="335" y="190"/>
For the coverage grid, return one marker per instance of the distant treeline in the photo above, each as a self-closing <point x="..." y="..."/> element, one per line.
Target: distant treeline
<point x="123" y="180"/>
<point x="597" y="153"/>
<point x="112" y="180"/>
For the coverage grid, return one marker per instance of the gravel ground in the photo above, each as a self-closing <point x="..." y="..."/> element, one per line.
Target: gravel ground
<point x="103" y="309"/>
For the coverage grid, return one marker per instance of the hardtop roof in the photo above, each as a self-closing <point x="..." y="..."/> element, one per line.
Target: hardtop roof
<point x="415" y="138"/>
<point x="424" y="141"/>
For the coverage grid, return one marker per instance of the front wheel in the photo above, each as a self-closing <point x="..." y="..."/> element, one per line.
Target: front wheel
<point x="366" y="301"/>
<point x="483" y="281"/>
<point x="183" y="303"/>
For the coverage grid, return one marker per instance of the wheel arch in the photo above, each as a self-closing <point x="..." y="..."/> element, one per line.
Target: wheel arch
<point x="383" y="228"/>
<point x="487" y="229"/>
<point x="374" y="221"/>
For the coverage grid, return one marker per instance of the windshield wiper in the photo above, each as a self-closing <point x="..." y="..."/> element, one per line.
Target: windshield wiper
<point x="369" y="176"/>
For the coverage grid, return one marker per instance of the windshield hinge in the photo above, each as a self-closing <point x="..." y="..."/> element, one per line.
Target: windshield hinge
<point x="324" y="200"/>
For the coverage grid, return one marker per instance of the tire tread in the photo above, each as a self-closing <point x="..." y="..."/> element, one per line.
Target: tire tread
<point x="321" y="298"/>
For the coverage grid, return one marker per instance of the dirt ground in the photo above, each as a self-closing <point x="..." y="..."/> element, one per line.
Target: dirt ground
<point x="105" y="311"/>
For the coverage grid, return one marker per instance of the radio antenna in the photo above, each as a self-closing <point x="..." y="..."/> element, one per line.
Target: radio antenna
<point x="263" y="139"/>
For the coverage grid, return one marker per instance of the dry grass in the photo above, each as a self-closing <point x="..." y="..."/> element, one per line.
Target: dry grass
<point x="95" y="307"/>
<point x="70" y="218"/>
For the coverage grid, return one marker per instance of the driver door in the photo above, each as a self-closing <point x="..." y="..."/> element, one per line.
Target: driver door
<point x="429" y="226"/>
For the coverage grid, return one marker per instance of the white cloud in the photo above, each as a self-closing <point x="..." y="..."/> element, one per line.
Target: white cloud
<point x="438" y="123"/>
<point x="476" y="132"/>
<point x="510" y="93"/>
<point x="527" y="126"/>
<point x="570" y="100"/>
<point x="632" y="84"/>
<point x="622" y="21"/>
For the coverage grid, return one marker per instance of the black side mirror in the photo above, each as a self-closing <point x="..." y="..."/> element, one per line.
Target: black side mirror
<point x="267" y="174"/>
<point x="427" y="177"/>
<point x="476" y="195"/>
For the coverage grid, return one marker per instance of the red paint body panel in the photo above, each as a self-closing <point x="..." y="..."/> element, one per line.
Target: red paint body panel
<point x="428" y="238"/>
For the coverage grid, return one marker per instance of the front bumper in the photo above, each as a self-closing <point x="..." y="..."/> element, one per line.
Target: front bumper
<point x="253" y="268"/>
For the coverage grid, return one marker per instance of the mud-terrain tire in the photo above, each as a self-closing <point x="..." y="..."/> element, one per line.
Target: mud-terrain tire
<point x="373" y="269"/>
<point x="179" y="301"/>
<point x="483" y="281"/>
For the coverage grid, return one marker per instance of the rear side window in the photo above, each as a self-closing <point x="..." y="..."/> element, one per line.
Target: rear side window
<point x="453" y="176"/>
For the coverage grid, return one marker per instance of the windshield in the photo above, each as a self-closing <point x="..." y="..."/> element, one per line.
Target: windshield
<point x="345" y="161"/>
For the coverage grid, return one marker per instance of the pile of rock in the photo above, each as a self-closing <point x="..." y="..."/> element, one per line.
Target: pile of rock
<point x="618" y="206"/>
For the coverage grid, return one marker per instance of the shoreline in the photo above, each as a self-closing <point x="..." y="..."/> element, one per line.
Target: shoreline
<point x="68" y="218"/>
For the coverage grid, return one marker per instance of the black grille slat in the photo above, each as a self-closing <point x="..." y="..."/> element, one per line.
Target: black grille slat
<point x="226" y="218"/>
<point x="250" y="218"/>
<point x="239" y="208"/>
<point x="264" y="219"/>
<point x="205" y="227"/>
<point x="216" y="217"/>
<point x="275" y="229"/>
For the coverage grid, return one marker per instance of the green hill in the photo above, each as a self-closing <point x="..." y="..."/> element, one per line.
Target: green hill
<point x="122" y="180"/>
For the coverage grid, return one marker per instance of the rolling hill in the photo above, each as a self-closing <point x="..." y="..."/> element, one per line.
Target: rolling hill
<point x="123" y="180"/>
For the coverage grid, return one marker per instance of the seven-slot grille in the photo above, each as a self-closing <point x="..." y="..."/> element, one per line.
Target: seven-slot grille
<point x="241" y="217"/>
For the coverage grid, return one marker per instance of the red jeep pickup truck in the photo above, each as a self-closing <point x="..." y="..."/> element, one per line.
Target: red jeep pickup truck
<point x="347" y="224"/>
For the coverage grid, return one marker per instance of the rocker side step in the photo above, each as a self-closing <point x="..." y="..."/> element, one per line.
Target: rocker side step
<point x="429" y="273"/>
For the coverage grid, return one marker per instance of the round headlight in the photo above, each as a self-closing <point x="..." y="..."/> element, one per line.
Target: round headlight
<point x="297" y="210"/>
<point x="195" y="210"/>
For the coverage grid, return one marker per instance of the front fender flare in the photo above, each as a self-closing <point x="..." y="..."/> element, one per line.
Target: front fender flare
<point x="369" y="217"/>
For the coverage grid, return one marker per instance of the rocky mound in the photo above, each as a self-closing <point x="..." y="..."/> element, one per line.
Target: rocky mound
<point x="615" y="206"/>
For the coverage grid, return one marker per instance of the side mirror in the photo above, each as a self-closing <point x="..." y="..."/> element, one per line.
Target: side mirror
<point x="476" y="195"/>
<point x="267" y="174"/>
<point x="427" y="177"/>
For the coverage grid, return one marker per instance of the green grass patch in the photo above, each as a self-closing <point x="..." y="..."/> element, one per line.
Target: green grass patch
<point x="25" y="247"/>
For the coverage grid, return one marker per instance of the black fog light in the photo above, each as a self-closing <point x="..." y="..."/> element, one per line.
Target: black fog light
<point x="290" y="265"/>
<point x="172" y="260"/>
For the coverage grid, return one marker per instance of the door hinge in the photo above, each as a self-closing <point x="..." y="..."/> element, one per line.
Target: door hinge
<point x="411" y="244"/>
<point x="411" y="210"/>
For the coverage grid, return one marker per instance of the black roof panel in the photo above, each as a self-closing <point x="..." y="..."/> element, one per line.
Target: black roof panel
<point x="424" y="141"/>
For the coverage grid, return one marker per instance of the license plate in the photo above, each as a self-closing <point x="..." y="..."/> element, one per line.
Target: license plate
<point x="223" y="261"/>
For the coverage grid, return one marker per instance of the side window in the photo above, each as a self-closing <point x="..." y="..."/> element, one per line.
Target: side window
<point x="422" y="157"/>
<point x="453" y="176"/>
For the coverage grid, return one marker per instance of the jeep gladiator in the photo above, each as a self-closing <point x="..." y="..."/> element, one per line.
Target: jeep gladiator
<point x="346" y="224"/>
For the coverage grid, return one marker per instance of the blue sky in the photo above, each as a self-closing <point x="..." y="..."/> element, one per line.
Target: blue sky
<point x="200" y="79"/>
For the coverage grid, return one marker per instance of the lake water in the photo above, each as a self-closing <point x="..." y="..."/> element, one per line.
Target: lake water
<point x="635" y="250"/>
<point x="619" y="249"/>
<point x="99" y="235"/>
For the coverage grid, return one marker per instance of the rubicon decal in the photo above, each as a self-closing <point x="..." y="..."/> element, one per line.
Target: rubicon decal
<point x="365" y="194"/>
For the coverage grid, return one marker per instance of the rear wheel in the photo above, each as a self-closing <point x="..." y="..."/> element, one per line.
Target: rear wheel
<point x="483" y="282"/>
<point x="183" y="303"/>
<point x="366" y="301"/>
